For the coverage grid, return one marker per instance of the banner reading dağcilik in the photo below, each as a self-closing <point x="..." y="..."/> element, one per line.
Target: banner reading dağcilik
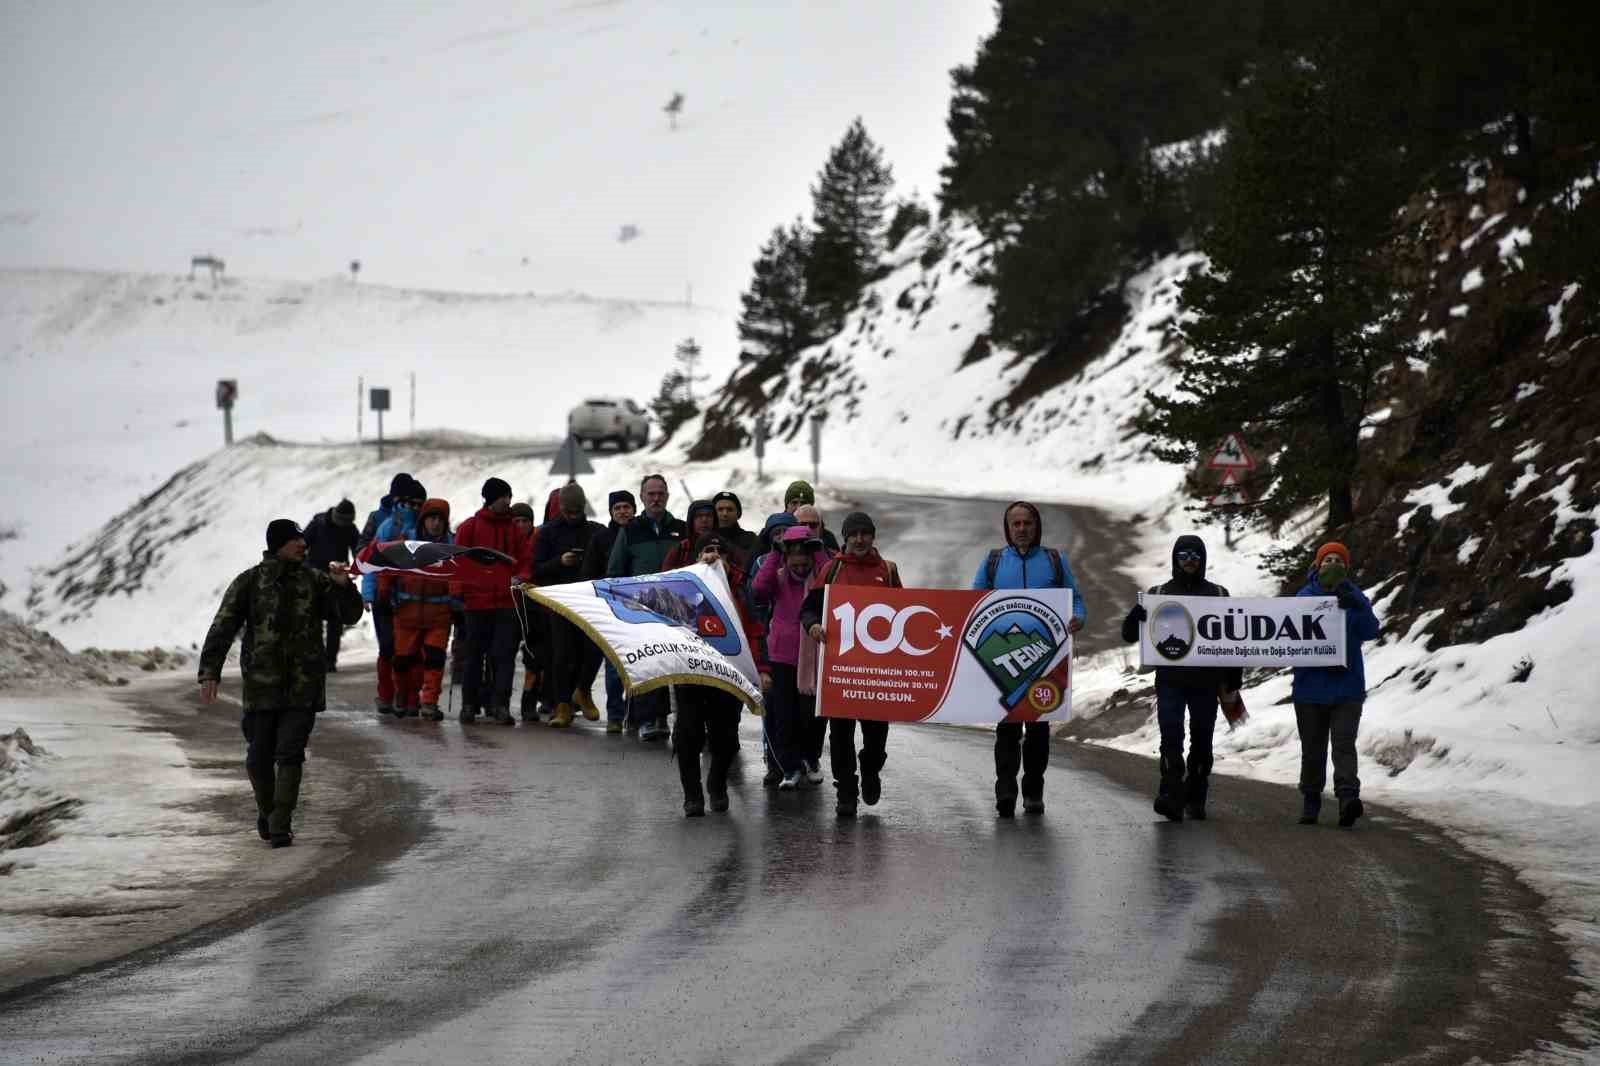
<point x="679" y="627"/>
<point x="1233" y="631"/>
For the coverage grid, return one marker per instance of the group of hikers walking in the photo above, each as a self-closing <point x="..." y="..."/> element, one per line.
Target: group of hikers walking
<point x="293" y="606"/>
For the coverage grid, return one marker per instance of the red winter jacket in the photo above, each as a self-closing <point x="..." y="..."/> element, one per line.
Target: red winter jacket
<point x="489" y="530"/>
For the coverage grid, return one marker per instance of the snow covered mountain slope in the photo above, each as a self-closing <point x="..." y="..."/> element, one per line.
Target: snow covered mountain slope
<point x="110" y="376"/>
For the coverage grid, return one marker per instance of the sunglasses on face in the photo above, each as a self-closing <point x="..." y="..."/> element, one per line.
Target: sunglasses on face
<point x="1187" y="556"/>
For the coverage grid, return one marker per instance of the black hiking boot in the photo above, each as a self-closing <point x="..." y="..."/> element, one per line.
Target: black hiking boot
<point x="1349" y="810"/>
<point x="871" y="779"/>
<point x="719" y="800"/>
<point x="261" y="828"/>
<point x="1195" y="811"/>
<point x="469" y="714"/>
<point x="1310" y="809"/>
<point x="282" y="840"/>
<point x="1032" y="804"/>
<point x="694" y="807"/>
<point x="846" y="808"/>
<point x="1006" y="806"/>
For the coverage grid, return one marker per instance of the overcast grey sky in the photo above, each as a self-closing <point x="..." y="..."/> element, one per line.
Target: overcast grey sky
<point x="442" y="145"/>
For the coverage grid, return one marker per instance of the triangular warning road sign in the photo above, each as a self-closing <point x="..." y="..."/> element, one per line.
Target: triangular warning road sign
<point x="1231" y="454"/>
<point x="571" y="459"/>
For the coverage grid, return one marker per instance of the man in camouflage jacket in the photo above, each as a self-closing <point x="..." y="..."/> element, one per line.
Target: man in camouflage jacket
<point x="281" y="604"/>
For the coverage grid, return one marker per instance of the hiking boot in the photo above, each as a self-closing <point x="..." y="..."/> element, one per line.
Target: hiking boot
<point x="469" y="714"/>
<point x="1195" y="811"/>
<point x="790" y="781"/>
<point x="405" y="712"/>
<point x="813" y="771"/>
<point x="1171" y="809"/>
<point x="846" y="808"/>
<point x="871" y="779"/>
<point x="432" y="713"/>
<point x="719" y="800"/>
<point x="773" y="778"/>
<point x="1006" y="807"/>
<point x="384" y="706"/>
<point x="333" y="668"/>
<point x="613" y="729"/>
<point x="563" y="716"/>
<point x="285" y="795"/>
<point x="585" y="704"/>
<point x="1310" y="809"/>
<point x="653" y="730"/>
<point x="1032" y="804"/>
<point x="694" y="807"/>
<point x="530" y="706"/>
<point x="502" y="715"/>
<point x="1349" y="810"/>
<point x="630" y="728"/>
<point x="261" y="828"/>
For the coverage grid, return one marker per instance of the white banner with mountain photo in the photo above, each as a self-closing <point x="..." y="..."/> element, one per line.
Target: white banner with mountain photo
<point x="679" y="627"/>
<point x="1238" y="631"/>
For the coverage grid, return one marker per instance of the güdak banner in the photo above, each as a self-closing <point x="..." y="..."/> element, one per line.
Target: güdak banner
<point x="1235" y="631"/>
<point x="679" y="627"/>
<point x="940" y="655"/>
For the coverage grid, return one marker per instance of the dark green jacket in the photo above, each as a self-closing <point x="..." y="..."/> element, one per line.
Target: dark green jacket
<point x="281" y="608"/>
<point x="642" y="546"/>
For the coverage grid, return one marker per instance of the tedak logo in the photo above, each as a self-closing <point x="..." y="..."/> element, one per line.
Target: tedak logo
<point x="1171" y="631"/>
<point x="1018" y="640"/>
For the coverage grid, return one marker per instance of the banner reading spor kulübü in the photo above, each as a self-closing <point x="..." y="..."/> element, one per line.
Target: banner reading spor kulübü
<point x="940" y="655"/>
<point x="679" y="627"/>
<point x="1233" y="631"/>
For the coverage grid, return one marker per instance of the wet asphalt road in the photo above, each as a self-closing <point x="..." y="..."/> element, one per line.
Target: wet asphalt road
<point x="554" y="906"/>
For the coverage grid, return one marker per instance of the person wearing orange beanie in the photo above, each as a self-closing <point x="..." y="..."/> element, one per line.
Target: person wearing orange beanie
<point x="1328" y="699"/>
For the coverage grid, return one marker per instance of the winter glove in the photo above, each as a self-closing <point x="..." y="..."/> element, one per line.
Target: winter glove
<point x="1347" y="596"/>
<point x="1138" y="614"/>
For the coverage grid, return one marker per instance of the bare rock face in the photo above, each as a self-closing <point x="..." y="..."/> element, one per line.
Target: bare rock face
<point x="31" y="658"/>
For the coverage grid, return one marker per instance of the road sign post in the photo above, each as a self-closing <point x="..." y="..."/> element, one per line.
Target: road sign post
<point x="763" y="427"/>
<point x="816" y="445"/>
<point x="1234" y="460"/>
<point x="380" y="404"/>
<point x="227" y="393"/>
<point x="571" y="460"/>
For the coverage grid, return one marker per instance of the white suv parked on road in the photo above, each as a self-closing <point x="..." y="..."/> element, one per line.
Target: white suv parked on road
<point x="613" y="418"/>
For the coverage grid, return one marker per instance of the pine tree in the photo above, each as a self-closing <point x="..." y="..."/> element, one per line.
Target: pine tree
<point x="1053" y="131"/>
<point x="1299" y="308"/>
<point x="849" y="203"/>
<point x="778" y="318"/>
<point x="672" y="404"/>
<point x="688" y="357"/>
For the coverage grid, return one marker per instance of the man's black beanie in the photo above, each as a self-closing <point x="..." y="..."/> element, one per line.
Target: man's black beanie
<point x="620" y="496"/>
<point x="345" y="508"/>
<point x="857" y="522"/>
<point x="738" y="506"/>
<point x="281" y="531"/>
<point x="494" y="489"/>
<point x="397" y="485"/>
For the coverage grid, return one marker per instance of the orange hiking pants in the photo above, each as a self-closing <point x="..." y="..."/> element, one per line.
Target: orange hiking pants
<point x="419" y="658"/>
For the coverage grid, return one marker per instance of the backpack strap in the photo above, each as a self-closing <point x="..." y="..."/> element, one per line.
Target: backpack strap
<point x="891" y="575"/>
<point x="992" y="566"/>
<point x="1055" y="565"/>
<point x="833" y="570"/>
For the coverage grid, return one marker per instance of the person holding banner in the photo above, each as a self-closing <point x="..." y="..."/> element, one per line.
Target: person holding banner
<point x="791" y="714"/>
<point x="1023" y="563"/>
<point x="640" y="548"/>
<point x="558" y="557"/>
<point x="1328" y="699"/>
<point x="1178" y="687"/>
<point x="709" y="717"/>
<point x="858" y="564"/>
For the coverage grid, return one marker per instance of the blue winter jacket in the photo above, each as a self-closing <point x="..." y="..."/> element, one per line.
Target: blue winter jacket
<point x="1339" y="684"/>
<point x="400" y="525"/>
<point x="1031" y="571"/>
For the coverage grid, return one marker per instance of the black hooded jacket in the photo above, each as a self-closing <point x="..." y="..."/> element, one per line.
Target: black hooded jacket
<point x="1185" y="584"/>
